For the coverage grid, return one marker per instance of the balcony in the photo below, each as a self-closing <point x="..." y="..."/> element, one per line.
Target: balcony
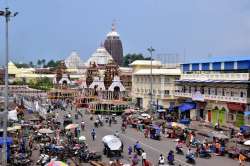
<point x="215" y="97"/>
<point x="217" y="76"/>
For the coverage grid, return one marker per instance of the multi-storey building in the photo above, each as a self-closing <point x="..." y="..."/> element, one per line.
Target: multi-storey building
<point x="163" y="84"/>
<point x="215" y="91"/>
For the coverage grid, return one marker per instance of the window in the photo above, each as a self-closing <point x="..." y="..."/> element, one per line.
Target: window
<point x="223" y="92"/>
<point x="166" y="92"/>
<point x="202" y="90"/>
<point x="241" y="94"/>
<point x="189" y="89"/>
<point x="209" y="91"/>
<point x="215" y="91"/>
<point x="232" y="93"/>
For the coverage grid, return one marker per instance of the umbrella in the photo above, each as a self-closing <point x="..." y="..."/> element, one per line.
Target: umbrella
<point x="247" y="142"/>
<point x="145" y="115"/>
<point x="82" y="138"/>
<point x="129" y="111"/>
<point x="56" y="163"/>
<point x="159" y="121"/>
<point x="177" y="125"/>
<point x="45" y="131"/>
<point x="71" y="126"/>
<point x="218" y="135"/>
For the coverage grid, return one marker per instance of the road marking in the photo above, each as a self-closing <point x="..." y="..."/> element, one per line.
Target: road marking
<point x="150" y="147"/>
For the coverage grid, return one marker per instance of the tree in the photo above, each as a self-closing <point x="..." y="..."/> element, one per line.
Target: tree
<point x="129" y="58"/>
<point x="39" y="62"/>
<point x="43" y="61"/>
<point x="31" y="64"/>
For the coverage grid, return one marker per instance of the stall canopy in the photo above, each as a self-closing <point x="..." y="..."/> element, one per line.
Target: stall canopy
<point x="187" y="106"/>
<point x="247" y="113"/>
<point x="161" y="110"/>
<point x="9" y="140"/>
<point x="12" y="115"/>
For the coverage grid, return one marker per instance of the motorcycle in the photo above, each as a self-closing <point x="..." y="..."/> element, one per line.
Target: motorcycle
<point x="205" y="155"/>
<point x="43" y="159"/>
<point x="190" y="158"/>
<point x="179" y="150"/>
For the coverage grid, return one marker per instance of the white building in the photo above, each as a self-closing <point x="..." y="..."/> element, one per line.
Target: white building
<point x="163" y="87"/>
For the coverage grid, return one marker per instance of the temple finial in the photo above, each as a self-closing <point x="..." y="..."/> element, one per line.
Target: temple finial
<point x="113" y="25"/>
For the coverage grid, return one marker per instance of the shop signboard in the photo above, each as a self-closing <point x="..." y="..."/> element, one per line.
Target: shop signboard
<point x="197" y="96"/>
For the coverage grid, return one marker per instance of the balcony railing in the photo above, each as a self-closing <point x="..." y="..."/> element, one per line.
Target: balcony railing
<point x="216" y="76"/>
<point x="215" y="97"/>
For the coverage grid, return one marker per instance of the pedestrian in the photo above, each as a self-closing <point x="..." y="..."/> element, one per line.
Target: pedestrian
<point x="161" y="160"/>
<point x="110" y="121"/>
<point x="93" y="134"/>
<point x="242" y="159"/>
<point x="144" y="157"/>
<point x="135" y="160"/>
<point x="130" y="151"/>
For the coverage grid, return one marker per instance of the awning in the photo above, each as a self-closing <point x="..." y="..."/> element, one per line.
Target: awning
<point x="186" y="107"/>
<point x="247" y="113"/>
<point x="161" y="110"/>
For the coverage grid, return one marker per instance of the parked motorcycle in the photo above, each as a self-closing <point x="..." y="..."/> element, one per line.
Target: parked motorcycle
<point x="190" y="159"/>
<point x="179" y="151"/>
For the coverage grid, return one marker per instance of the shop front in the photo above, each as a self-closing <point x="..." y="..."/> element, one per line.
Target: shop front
<point x="185" y="110"/>
<point x="236" y="113"/>
<point x="218" y="115"/>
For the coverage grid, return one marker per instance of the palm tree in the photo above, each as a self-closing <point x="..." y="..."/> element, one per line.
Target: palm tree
<point x="39" y="62"/>
<point x="43" y="62"/>
<point x="31" y="64"/>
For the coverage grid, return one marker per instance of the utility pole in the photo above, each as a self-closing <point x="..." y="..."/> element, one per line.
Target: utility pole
<point x="7" y="14"/>
<point x="151" y="50"/>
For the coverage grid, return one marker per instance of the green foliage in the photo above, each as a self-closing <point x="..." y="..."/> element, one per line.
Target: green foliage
<point x="52" y="64"/>
<point x="22" y="65"/>
<point x="129" y="58"/>
<point x="41" y="83"/>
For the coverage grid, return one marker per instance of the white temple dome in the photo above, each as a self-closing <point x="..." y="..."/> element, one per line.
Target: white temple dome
<point x="73" y="61"/>
<point x="99" y="57"/>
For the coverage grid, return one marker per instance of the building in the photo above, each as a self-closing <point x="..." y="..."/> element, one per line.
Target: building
<point x="113" y="45"/>
<point x="216" y="91"/>
<point x="163" y="80"/>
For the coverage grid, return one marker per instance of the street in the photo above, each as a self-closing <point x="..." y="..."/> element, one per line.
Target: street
<point x="153" y="148"/>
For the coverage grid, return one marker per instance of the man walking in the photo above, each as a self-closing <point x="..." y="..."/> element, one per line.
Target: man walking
<point x="93" y="134"/>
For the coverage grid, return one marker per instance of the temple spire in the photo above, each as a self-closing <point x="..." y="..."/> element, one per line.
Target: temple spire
<point x="113" y="26"/>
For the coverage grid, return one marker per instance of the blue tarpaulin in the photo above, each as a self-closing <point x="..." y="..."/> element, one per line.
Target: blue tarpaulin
<point x="247" y="113"/>
<point x="9" y="140"/>
<point x="187" y="106"/>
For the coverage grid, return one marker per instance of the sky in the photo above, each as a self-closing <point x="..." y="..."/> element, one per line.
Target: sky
<point x="192" y="29"/>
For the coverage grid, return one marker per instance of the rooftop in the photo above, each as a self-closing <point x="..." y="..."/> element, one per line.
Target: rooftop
<point x="145" y="62"/>
<point x="158" y="72"/>
<point x="221" y="59"/>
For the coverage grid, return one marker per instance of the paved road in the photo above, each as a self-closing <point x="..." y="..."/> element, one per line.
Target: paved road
<point x="153" y="148"/>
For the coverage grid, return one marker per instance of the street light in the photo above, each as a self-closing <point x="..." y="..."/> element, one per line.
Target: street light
<point x="7" y="14"/>
<point x="151" y="50"/>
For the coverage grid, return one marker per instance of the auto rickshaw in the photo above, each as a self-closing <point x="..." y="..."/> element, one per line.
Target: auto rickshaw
<point x="155" y="132"/>
<point x="113" y="146"/>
